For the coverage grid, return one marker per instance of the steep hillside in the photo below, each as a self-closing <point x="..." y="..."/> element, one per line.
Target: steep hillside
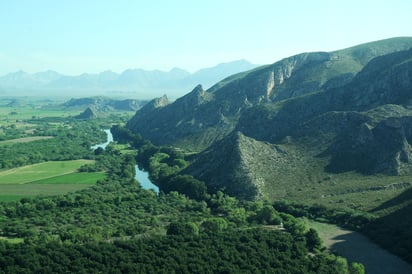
<point x="197" y="123"/>
<point x="364" y="126"/>
<point x="302" y="128"/>
<point x="384" y="81"/>
<point x="193" y="117"/>
<point x="236" y="165"/>
<point x="88" y="114"/>
<point x="318" y="128"/>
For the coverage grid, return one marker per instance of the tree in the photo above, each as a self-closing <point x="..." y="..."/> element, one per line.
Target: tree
<point x="313" y="240"/>
<point x="294" y="226"/>
<point x="214" y="225"/>
<point x="268" y="215"/>
<point x="356" y="268"/>
<point x="188" y="185"/>
<point x="182" y="229"/>
<point x="99" y="151"/>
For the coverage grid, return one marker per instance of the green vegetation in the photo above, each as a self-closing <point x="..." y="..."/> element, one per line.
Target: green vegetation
<point x="151" y="232"/>
<point x="330" y="149"/>
<point x="25" y="140"/>
<point x="41" y="171"/>
<point x="115" y="226"/>
<point x="353" y="245"/>
<point x="60" y="184"/>
<point x="12" y="240"/>
<point x="73" y="178"/>
<point x="44" y="148"/>
<point x="393" y="229"/>
<point x="244" y="251"/>
<point x="21" y="120"/>
<point x="70" y="142"/>
<point x="15" y="192"/>
<point x="328" y="131"/>
<point x="48" y="178"/>
<point x="346" y="204"/>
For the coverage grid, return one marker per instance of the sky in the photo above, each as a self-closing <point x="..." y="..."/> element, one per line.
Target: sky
<point x="77" y="36"/>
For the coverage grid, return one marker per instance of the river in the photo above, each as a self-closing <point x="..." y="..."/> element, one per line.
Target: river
<point x="141" y="176"/>
<point x="109" y="140"/>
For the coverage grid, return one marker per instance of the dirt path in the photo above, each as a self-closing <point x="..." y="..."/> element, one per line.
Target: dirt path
<point x="356" y="247"/>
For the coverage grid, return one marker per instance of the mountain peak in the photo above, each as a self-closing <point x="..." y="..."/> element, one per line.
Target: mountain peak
<point x="88" y="113"/>
<point x="278" y="95"/>
<point x="161" y="101"/>
<point x="236" y="154"/>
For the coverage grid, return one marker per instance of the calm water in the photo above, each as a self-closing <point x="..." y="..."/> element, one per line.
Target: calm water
<point x="141" y="176"/>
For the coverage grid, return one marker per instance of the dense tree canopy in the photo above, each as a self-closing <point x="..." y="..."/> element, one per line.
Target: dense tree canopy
<point x="118" y="227"/>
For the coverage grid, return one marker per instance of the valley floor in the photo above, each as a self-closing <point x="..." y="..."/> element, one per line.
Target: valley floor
<point x="356" y="247"/>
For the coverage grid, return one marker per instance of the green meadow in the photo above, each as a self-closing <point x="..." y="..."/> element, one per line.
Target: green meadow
<point x="25" y="140"/>
<point x="82" y="178"/>
<point x="48" y="178"/>
<point x="28" y="111"/>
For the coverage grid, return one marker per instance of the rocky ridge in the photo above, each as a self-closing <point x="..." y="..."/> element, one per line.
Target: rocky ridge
<point x="197" y="124"/>
<point x="88" y="113"/>
<point x="301" y="118"/>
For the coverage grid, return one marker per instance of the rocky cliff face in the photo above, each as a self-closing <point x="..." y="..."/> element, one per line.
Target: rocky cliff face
<point x="201" y="117"/>
<point x="384" y="148"/>
<point x="185" y="120"/>
<point x="235" y="165"/>
<point x="391" y="77"/>
<point x="364" y="126"/>
<point x="315" y="113"/>
<point x="386" y="81"/>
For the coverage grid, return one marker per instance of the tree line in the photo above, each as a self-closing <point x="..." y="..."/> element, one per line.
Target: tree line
<point x="70" y="142"/>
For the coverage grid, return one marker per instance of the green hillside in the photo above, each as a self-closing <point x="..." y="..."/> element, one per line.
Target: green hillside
<point x="316" y="128"/>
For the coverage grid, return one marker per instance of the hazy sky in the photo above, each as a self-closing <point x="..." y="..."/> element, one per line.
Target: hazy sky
<point x="75" y="36"/>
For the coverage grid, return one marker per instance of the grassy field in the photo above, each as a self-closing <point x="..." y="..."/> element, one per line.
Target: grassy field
<point x="12" y="240"/>
<point x="356" y="247"/>
<point x="41" y="171"/>
<point x="49" y="178"/>
<point x="25" y="140"/>
<point x="302" y="178"/>
<point x="73" y="178"/>
<point x="16" y="192"/>
<point x="23" y="117"/>
<point x="28" y="111"/>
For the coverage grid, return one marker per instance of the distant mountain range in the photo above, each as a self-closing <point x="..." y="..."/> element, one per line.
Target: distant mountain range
<point x="136" y="83"/>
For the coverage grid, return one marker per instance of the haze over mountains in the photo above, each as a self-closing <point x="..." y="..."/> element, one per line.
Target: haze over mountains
<point x="136" y="83"/>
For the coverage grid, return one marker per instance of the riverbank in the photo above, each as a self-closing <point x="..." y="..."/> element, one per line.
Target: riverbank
<point x="356" y="247"/>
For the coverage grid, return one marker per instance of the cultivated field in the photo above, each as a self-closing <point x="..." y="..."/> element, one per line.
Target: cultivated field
<point x="25" y="140"/>
<point x="48" y="178"/>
